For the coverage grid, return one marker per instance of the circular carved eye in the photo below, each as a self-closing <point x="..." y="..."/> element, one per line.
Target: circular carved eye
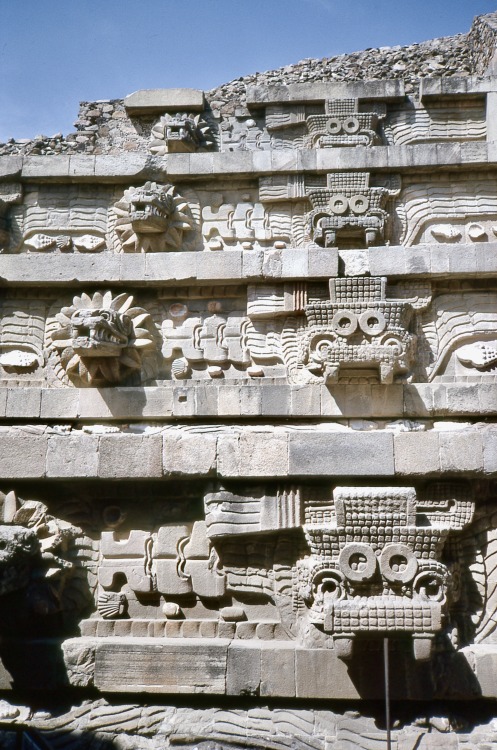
<point x="398" y="563"/>
<point x="358" y="562"/>
<point x="359" y="204"/>
<point x="430" y="586"/>
<point x="372" y="322"/>
<point x="344" y="323"/>
<point x="333" y="126"/>
<point x="351" y="125"/>
<point x="339" y="204"/>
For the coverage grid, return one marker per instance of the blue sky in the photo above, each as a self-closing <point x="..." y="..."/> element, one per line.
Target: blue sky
<point x="54" y="53"/>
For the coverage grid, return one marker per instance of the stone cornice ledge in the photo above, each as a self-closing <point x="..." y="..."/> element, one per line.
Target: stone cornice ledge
<point x="177" y="167"/>
<point x="194" y="400"/>
<point x="262" y="452"/>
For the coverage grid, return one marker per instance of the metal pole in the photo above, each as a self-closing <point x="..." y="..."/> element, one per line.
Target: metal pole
<point x="387" y="692"/>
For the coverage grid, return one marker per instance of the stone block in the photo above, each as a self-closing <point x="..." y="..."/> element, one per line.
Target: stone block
<point x="189" y="454"/>
<point x="490" y="451"/>
<point x="109" y="167"/>
<point x="295" y="263"/>
<point x="341" y="454"/>
<point x="322" y="263"/>
<point x="388" y="261"/>
<point x="488" y="398"/>
<point x="417" y="453"/>
<point x="3" y="401"/>
<point x="461" y="451"/>
<point x="158" y="101"/>
<point x="243" y="675"/>
<point x="320" y="674"/>
<point x="124" y="456"/>
<point x="251" y="399"/>
<point x="485" y="666"/>
<point x="23" y="403"/>
<point x="81" y="165"/>
<point x="132" y="266"/>
<point x="166" y="666"/>
<point x="277" y="669"/>
<point x="229" y="401"/>
<point x="217" y="265"/>
<point x="72" y="456"/>
<point x="22" y="455"/>
<point x="252" y="261"/>
<point x="418" y="400"/>
<point x="58" y="403"/>
<point x="10" y="166"/>
<point x="184" y="401"/>
<point x="305" y="401"/>
<point x="275" y="400"/>
<point x="171" y="266"/>
<point x="45" y="166"/>
<point x="229" y="162"/>
<point x="263" y="454"/>
<point x="125" y="403"/>
<point x="206" y="399"/>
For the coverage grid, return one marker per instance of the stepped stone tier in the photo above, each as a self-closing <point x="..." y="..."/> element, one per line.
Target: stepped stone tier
<point x="248" y="401"/>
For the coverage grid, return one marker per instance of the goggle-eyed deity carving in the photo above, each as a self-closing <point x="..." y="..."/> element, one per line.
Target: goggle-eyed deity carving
<point x="343" y="125"/>
<point x="348" y="209"/>
<point x="358" y="328"/>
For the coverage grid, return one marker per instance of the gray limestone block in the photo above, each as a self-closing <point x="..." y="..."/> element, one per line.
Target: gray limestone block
<point x="388" y="261"/>
<point x="125" y="403"/>
<point x="22" y="455"/>
<point x="305" y="400"/>
<point x="277" y="669"/>
<point x="440" y="259"/>
<point x="474" y="153"/>
<point x="418" y="261"/>
<point x="243" y="676"/>
<point x="228" y="403"/>
<point x="322" y="263"/>
<point x="3" y="401"/>
<point x="487" y="393"/>
<point x="461" y="451"/>
<point x="10" y="166"/>
<point x="275" y="399"/>
<point x="341" y="454"/>
<point x="490" y="451"/>
<point x="23" y="403"/>
<point x="462" y="259"/>
<point x="35" y="167"/>
<point x="418" y="400"/>
<point x="206" y="399"/>
<point x="81" y="165"/>
<point x="124" y="456"/>
<point x="320" y="674"/>
<point x="112" y="167"/>
<point x="178" y="165"/>
<point x="285" y="161"/>
<point x="132" y="267"/>
<point x="172" y="266"/>
<point x="37" y="268"/>
<point x="158" y="101"/>
<point x="72" y="456"/>
<point x="417" y="453"/>
<point x="179" y="665"/>
<point x="295" y="263"/>
<point x="261" y="95"/>
<point x="263" y="454"/>
<point x="252" y="263"/>
<point x="484" y="664"/>
<point x="203" y="164"/>
<point x="251" y="399"/>
<point x="217" y="265"/>
<point x="261" y="161"/>
<point x="184" y="402"/>
<point x="58" y="403"/>
<point x="486" y="258"/>
<point x="230" y="162"/>
<point x="189" y="454"/>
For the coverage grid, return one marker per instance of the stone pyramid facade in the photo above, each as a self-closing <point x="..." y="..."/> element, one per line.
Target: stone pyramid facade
<point x="248" y="399"/>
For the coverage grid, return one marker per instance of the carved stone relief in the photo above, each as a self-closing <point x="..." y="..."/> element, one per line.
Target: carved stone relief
<point x="101" y="340"/>
<point x="455" y="122"/>
<point x="180" y="133"/>
<point x="152" y="218"/>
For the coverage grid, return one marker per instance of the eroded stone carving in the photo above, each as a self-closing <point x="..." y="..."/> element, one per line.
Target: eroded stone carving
<point x="348" y="209"/>
<point x="344" y="125"/>
<point x="180" y="133"/>
<point x="101" y="340"/>
<point x="152" y="218"/>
